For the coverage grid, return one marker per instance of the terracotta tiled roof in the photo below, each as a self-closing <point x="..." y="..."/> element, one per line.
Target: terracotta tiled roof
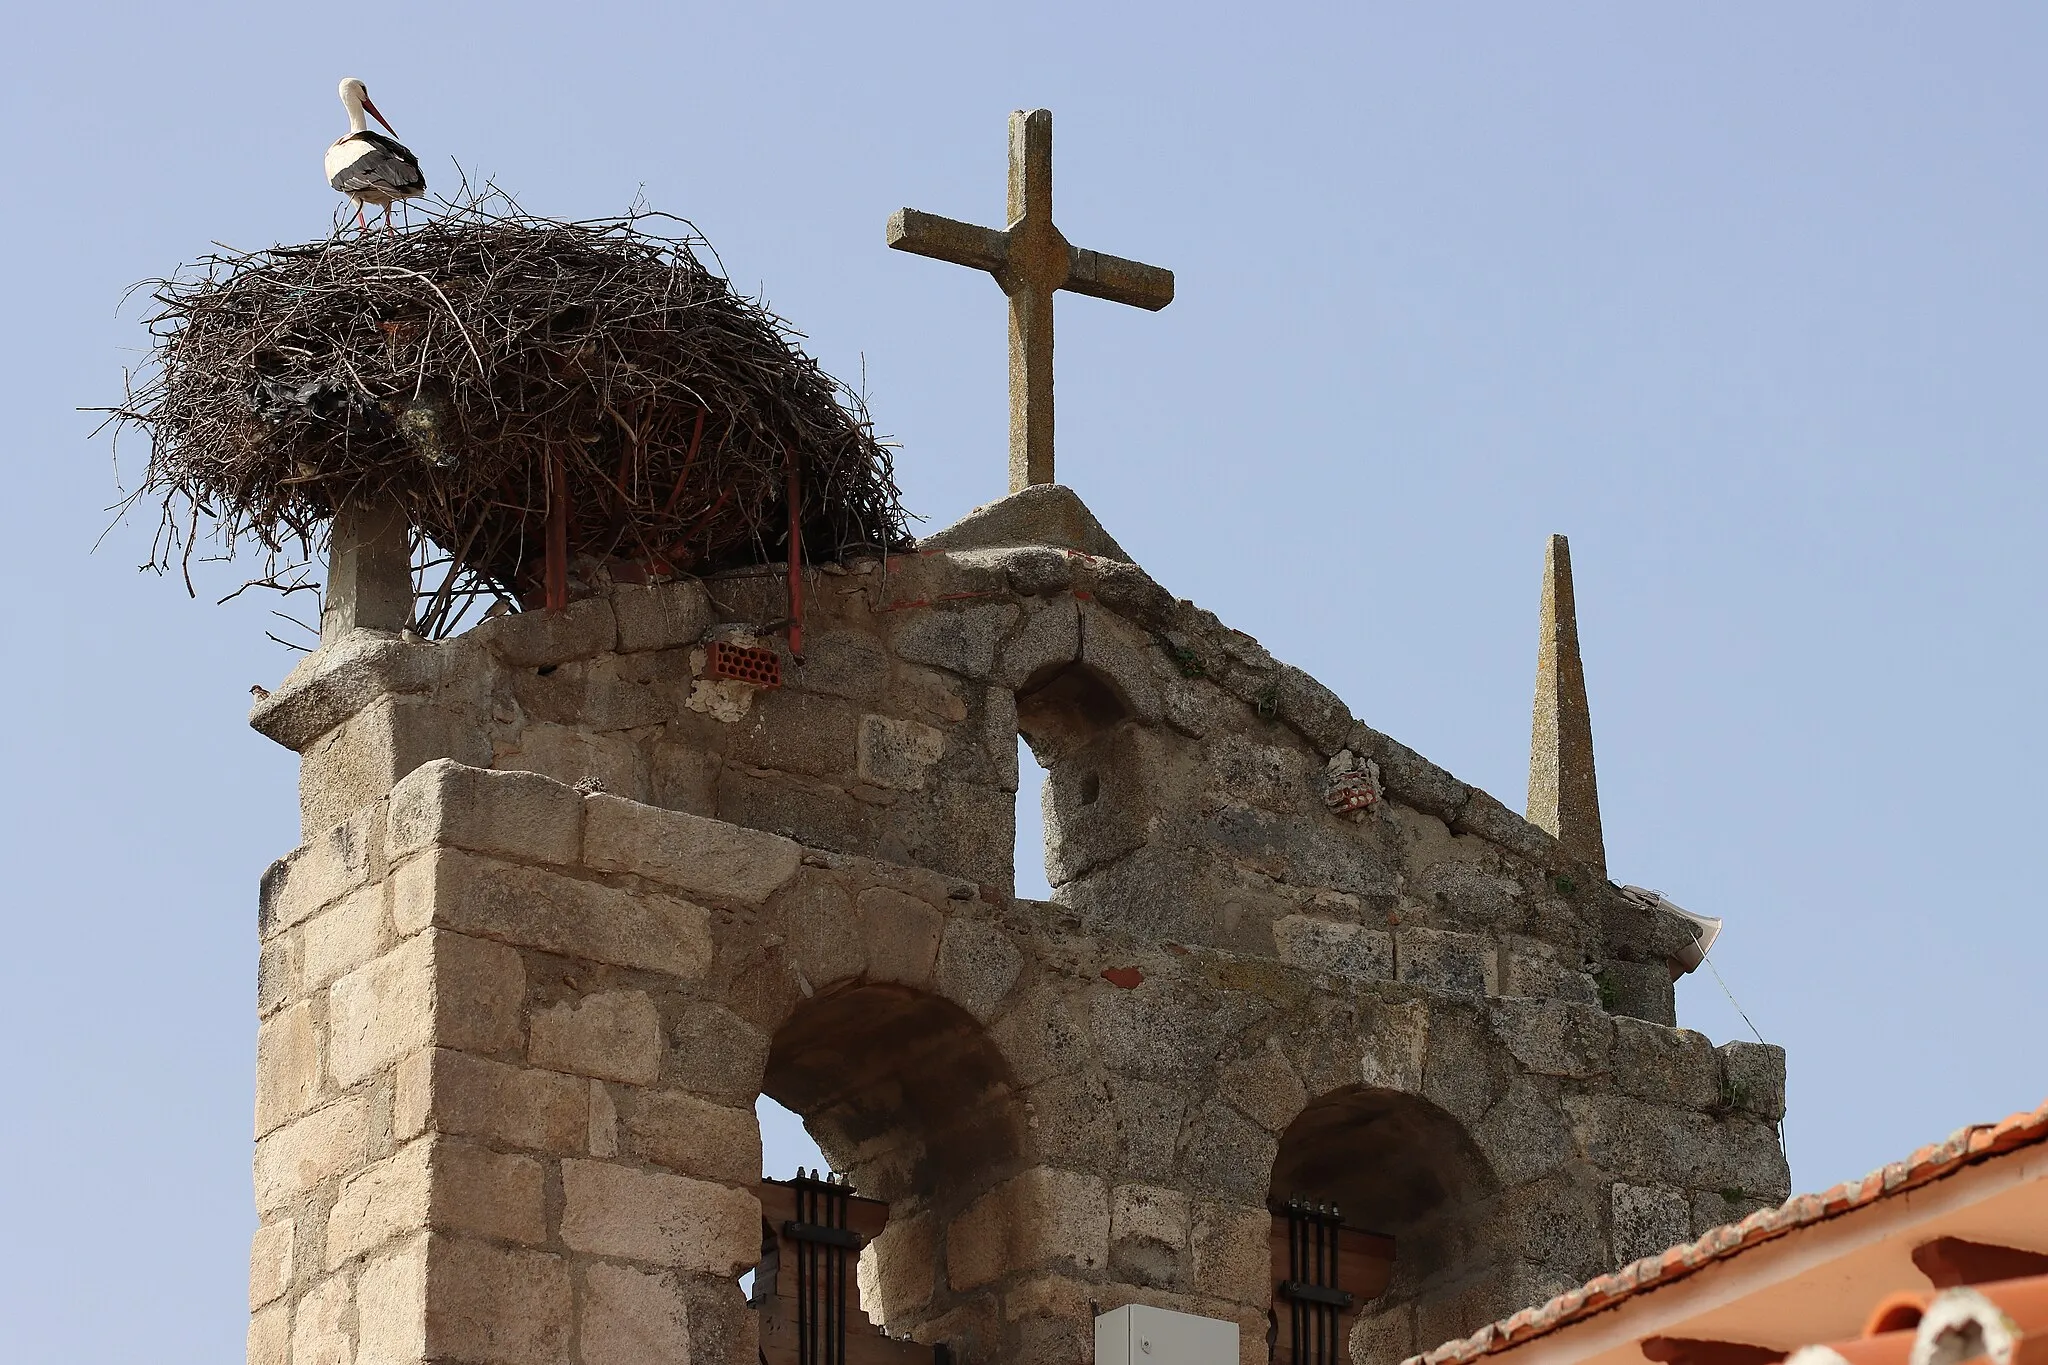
<point x="1963" y="1147"/>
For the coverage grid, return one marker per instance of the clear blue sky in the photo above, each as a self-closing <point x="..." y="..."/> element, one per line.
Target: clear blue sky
<point x="1747" y="299"/>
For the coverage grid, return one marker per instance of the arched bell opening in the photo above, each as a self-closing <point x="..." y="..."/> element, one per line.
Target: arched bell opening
<point x="1377" y="1199"/>
<point x="913" y="1106"/>
<point x="1079" y="727"/>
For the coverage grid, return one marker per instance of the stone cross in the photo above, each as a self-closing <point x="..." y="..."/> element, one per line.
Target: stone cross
<point x="1564" y="797"/>
<point x="1031" y="261"/>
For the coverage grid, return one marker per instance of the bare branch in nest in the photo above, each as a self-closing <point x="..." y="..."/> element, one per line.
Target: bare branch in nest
<point x="449" y="367"/>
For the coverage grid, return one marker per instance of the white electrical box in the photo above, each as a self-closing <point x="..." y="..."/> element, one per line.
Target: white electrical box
<point x="1138" y="1335"/>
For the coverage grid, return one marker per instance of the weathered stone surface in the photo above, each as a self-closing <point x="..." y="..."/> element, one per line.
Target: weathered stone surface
<point x="1543" y="975"/>
<point x="1041" y="1219"/>
<point x="385" y="1201"/>
<point x="1524" y="1136"/>
<point x="436" y="987"/>
<point x="898" y="754"/>
<point x="1386" y="1337"/>
<point x="1753" y="1078"/>
<point x="604" y="1121"/>
<point x="1314" y="712"/>
<point x="270" y="1262"/>
<point x="1033" y="570"/>
<point x="1639" y="990"/>
<point x="615" y="1035"/>
<point x="1647" y="1221"/>
<point x="1394" y="1048"/>
<point x="1264" y="1088"/>
<point x="320" y="1334"/>
<point x="661" y="615"/>
<point x="1409" y="776"/>
<point x="576" y="758"/>
<point x="1490" y="820"/>
<point x="902" y="936"/>
<point x="1149" y="1236"/>
<point x="1042" y="514"/>
<point x="691" y="1136"/>
<point x="1225" y="1154"/>
<point x="356" y="763"/>
<point x="328" y="866"/>
<point x="559" y="914"/>
<point x="1555" y="1037"/>
<point x="511" y="1106"/>
<point x="344" y="936"/>
<point x="1233" y="1254"/>
<point x="308" y="1150"/>
<point x="1130" y="592"/>
<point x="1443" y="960"/>
<point x="707" y="858"/>
<point x="632" y="1317"/>
<point x="537" y="639"/>
<point x="280" y="967"/>
<point x="492" y="1303"/>
<point x="287" y="1067"/>
<point x="977" y="966"/>
<point x="662" y="1220"/>
<point x="1148" y="1119"/>
<point x="1653" y="1144"/>
<point x="717" y="1054"/>
<point x="444" y="1183"/>
<point x="1670" y="1065"/>
<point x="1347" y="950"/>
<point x="391" y="1298"/>
<point x="270" y="1336"/>
<point x="1467" y="1071"/>
<point x="343" y="676"/>
<point x="845" y="663"/>
<point x="960" y="640"/>
<point x="822" y="944"/>
<point x="1163" y="1030"/>
<point x="797" y="732"/>
<point x="1752" y="1161"/>
<point x="524" y="815"/>
<point x="899" y="1269"/>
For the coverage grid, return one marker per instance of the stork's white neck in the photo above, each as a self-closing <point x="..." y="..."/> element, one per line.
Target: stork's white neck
<point x="357" y="121"/>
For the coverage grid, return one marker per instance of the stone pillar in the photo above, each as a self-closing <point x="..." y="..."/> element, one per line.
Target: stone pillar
<point x="369" y="570"/>
<point x="468" y="1145"/>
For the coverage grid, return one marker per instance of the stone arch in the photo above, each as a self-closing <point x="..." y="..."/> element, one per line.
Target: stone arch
<point x="1399" y="1166"/>
<point x="905" y="1092"/>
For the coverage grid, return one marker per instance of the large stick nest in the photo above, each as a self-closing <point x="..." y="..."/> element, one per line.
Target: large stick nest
<point x="485" y="371"/>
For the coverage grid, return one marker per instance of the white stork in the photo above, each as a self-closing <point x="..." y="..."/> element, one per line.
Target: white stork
<point x="368" y="167"/>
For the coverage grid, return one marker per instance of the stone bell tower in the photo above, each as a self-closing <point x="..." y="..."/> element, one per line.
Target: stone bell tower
<point x="576" y="887"/>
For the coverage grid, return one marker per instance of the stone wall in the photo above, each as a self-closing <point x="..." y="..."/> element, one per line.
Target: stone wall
<point x="567" y="904"/>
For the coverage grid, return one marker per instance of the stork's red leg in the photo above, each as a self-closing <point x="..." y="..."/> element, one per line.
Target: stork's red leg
<point x="362" y="222"/>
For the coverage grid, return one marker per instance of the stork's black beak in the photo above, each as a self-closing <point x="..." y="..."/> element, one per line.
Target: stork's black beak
<point x="371" y="110"/>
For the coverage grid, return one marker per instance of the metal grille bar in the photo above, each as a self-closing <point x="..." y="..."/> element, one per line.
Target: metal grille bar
<point x="822" y="1242"/>
<point x="1315" y="1303"/>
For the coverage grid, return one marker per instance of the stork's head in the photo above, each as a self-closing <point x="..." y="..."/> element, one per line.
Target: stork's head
<point x="355" y="95"/>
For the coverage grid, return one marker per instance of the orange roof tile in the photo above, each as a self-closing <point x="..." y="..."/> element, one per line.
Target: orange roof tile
<point x="1964" y="1147"/>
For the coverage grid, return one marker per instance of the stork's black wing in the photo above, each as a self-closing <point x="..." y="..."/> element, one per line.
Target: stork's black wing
<point x="386" y="166"/>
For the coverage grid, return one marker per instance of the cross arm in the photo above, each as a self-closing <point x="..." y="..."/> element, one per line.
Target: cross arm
<point x="945" y="239"/>
<point x="1103" y="276"/>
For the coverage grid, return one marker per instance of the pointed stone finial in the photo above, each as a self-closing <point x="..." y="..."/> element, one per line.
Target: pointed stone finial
<point x="1564" y="798"/>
